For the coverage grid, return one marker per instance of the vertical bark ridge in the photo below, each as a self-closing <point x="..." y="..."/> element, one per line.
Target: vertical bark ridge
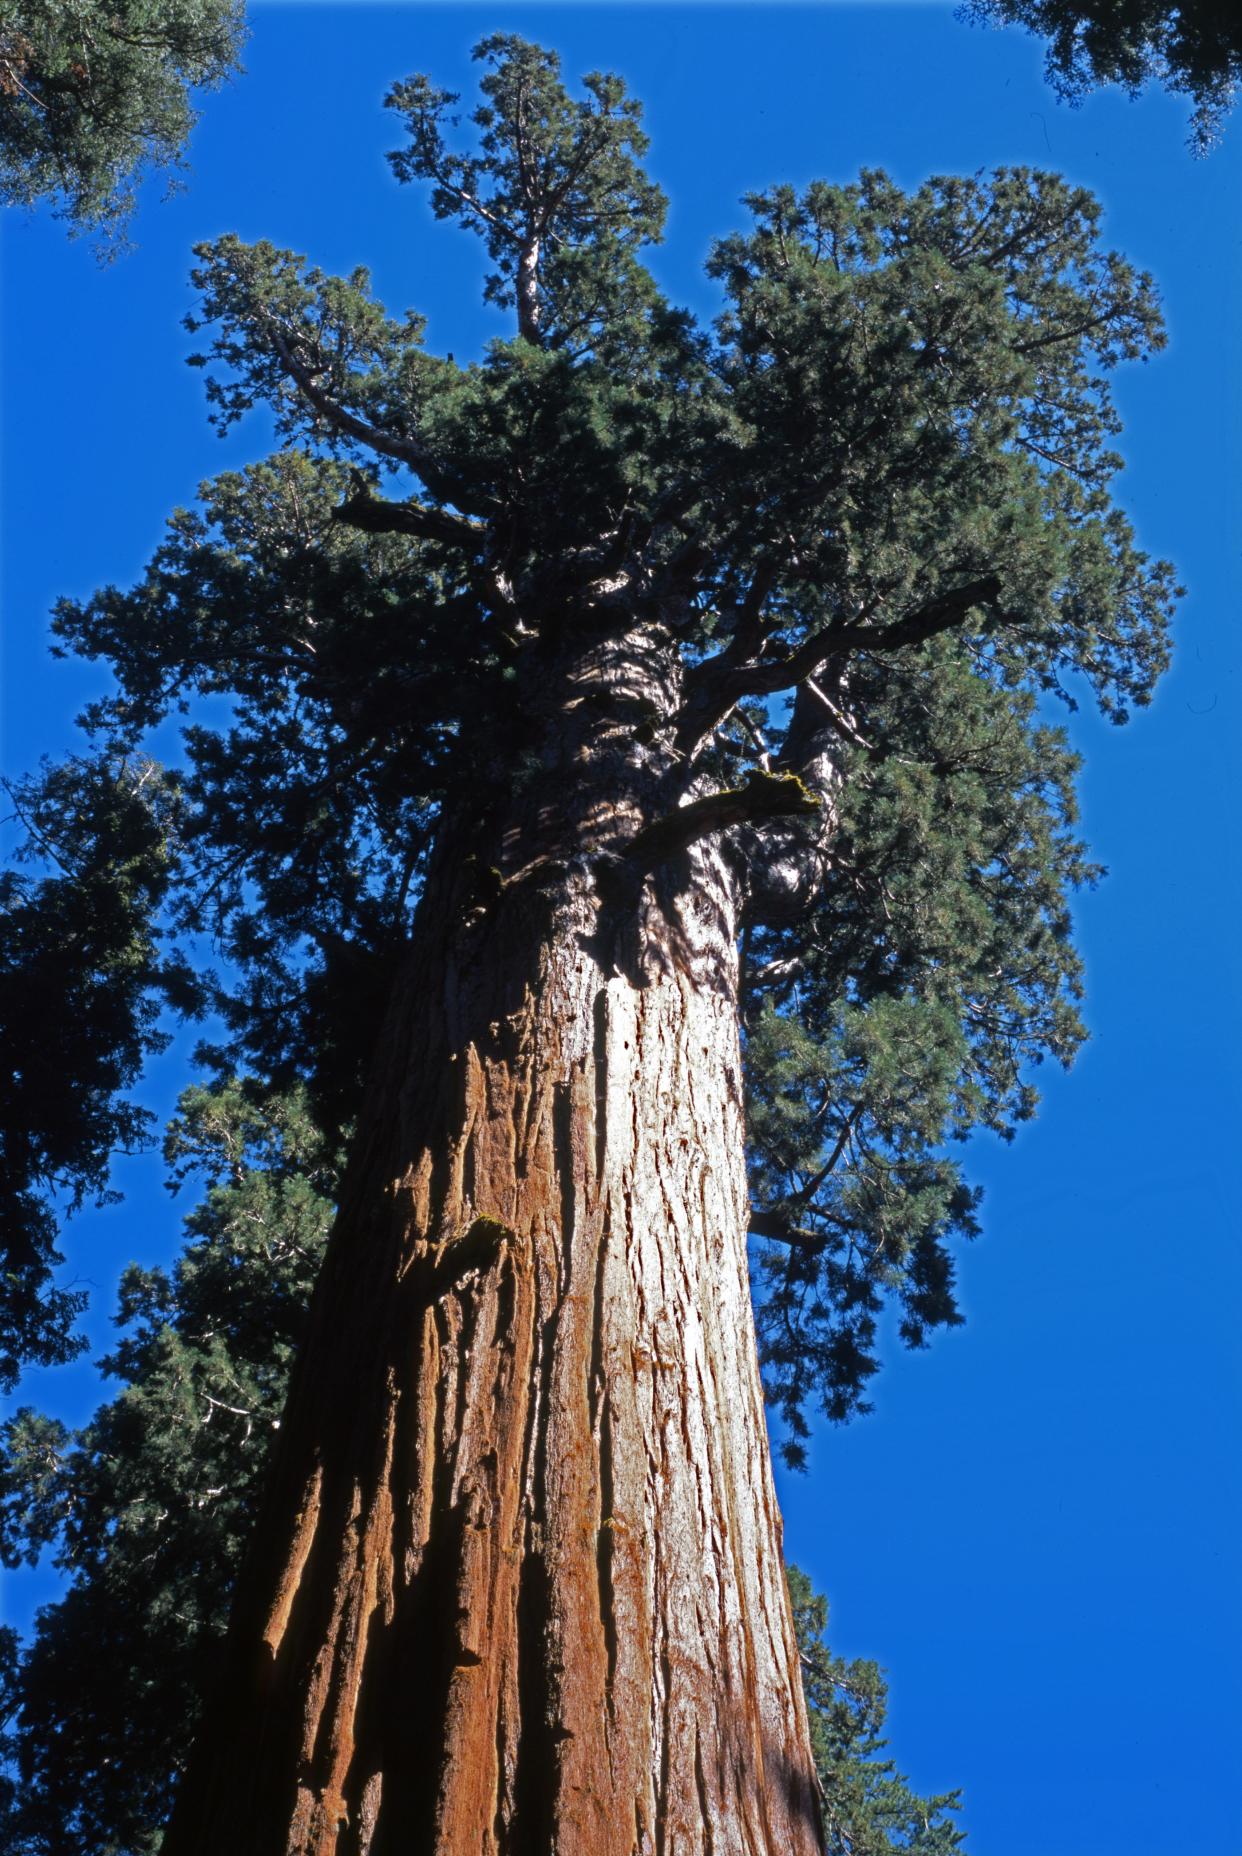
<point x="519" y="1577"/>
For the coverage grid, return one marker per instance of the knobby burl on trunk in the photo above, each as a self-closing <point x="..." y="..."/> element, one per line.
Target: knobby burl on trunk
<point x="518" y="1585"/>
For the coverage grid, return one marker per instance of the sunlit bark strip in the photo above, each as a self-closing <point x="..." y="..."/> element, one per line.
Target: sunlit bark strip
<point x="518" y="1586"/>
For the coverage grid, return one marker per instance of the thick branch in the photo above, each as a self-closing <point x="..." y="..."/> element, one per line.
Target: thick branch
<point x="405" y="450"/>
<point x="944" y="614"/>
<point x="748" y="628"/>
<point x="772" y="1224"/>
<point x="764" y="796"/>
<point x="778" y="1222"/>
<point x="713" y="687"/>
<point x="377" y="516"/>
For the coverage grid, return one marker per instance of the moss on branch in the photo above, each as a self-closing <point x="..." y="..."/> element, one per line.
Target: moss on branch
<point x="764" y="796"/>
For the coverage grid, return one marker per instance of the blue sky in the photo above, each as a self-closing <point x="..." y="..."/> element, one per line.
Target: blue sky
<point x="1036" y="1532"/>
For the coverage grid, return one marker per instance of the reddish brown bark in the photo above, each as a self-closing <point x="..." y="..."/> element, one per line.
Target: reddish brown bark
<point x="518" y="1586"/>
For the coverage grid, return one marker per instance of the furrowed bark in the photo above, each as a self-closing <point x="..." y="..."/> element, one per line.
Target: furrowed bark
<point x="518" y="1585"/>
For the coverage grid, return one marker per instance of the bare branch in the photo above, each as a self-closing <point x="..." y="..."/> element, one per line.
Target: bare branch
<point x="473" y="204"/>
<point x="843" y="722"/>
<point x="1066" y="332"/>
<point x="715" y="686"/>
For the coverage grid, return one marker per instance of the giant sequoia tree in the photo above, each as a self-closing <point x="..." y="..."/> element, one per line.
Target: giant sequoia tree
<point x="637" y="743"/>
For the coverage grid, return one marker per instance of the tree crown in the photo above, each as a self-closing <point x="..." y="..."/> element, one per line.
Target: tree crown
<point x="869" y="513"/>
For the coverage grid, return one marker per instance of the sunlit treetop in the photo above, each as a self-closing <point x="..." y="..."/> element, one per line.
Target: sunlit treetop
<point x="554" y="189"/>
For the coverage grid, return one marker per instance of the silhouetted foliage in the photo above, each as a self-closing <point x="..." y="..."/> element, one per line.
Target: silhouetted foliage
<point x="147" y="1509"/>
<point x="1193" y="47"/>
<point x="82" y="982"/>
<point x="96" y="93"/>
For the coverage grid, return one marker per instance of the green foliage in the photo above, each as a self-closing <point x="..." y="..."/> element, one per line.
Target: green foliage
<point x="148" y="1507"/>
<point x="344" y="339"/>
<point x="925" y="378"/>
<point x="881" y="485"/>
<point x="909" y="1010"/>
<point x="868" y="1807"/>
<point x="82" y="982"/>
<point x="1194" y="47"/>
<point x="94" y="93"/>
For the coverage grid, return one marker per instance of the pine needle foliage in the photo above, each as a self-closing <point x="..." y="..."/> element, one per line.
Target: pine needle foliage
<point x="94" y="94"/>
<point x="83" y="980"/>
<point x="868" y="1806"/>
<point x="147" y="1509"/>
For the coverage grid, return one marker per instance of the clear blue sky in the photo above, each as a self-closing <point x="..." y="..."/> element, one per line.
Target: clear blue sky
<point x="1036" y="1533"/>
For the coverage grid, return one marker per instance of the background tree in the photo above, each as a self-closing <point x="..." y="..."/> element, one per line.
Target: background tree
<point x="96" y="93"/>
<point x="869" y="1808"/>
<point x="1194" y="48"/>
<point x="82" y="982"/>
<point x="147" y="1510"/>
<point x="543" y="691"/>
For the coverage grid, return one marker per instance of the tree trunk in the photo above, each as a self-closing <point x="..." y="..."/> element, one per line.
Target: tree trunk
<point x="518" y="1584"/>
